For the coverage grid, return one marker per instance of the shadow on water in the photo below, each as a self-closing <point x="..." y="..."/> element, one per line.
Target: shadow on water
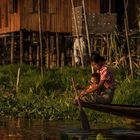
<point x="26" y="129"/>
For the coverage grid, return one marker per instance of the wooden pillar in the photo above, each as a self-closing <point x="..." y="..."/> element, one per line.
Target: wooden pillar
<point x="5" y="46"/>
<point x="62" y="51"/>
<point x="30" y="55"/>
<point x="52" y="51"/>
<point x="38" y="48"/>
<point x="21" y="46"/>
<point x="0" y="51"/>
<point x="40" y="36"/>
<point x="57" y="50"/>
<point x="12" y="48"/>
<point x="102" y="47"/>
<point x="30" y="49"/>
<point x="47" y="51"/>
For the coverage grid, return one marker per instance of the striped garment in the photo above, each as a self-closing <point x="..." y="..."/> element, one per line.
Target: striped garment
<point x="93" y="86"/>
<point x="107" y="75"/>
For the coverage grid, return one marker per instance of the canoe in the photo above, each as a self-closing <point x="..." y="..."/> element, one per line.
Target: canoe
<point x="130" y="111"/>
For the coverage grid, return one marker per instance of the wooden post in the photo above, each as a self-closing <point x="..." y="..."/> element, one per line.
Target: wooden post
<point x="21" y="46"/>
<point x="63" y="52"/>
<point x="109" y="6"/>
<point x="12" y="48"/>
<point x="102" y="47"/>
<point x="30" y="49"/>
<point x="37" y="55"/>
<point x="17" y="84"/>
<point x="30" y="54"/>
<point x="5" y="46"/>
<point x="51" y="51"/>
<point x="86" y="26"/>
<point x="77" y="32"/>
<point x="48" y="48"/>
<point x="57" y="50"/>
<point x="47" y="51"/>
<point x="40" y="36"/>
<point x="1" y="51"/>
<point x="127" y="38"/>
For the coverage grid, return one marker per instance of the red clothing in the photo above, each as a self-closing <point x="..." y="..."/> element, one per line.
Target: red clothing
<point x="107" y="75"/>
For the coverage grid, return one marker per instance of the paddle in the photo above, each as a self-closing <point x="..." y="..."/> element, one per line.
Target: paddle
<point x="83" y="116"/>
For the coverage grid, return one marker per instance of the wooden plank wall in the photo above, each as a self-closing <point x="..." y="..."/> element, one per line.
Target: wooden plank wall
<point x="57" y="18"/>
<point x="13" y="18"/>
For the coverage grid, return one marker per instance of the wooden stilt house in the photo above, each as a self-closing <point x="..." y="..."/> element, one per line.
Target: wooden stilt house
<point x="19" y="29"/>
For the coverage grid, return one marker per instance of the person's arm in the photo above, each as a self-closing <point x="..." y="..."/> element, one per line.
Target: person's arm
<point x="90" y="90"/>
<point x="83" y="92"/>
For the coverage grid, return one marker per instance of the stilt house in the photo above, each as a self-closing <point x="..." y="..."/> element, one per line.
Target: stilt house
<point x="20" y="21"/>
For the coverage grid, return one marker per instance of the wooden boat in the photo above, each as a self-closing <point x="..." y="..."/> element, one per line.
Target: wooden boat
<point x="130" y="111"/>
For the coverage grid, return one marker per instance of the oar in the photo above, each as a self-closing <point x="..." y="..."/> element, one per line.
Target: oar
<point x="83" y="116"/>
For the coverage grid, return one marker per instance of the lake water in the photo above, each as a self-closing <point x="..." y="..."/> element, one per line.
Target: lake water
<point x="25" y="129"/>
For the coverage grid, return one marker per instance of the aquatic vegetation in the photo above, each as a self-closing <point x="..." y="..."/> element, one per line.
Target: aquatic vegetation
<point x="51" y="97"/>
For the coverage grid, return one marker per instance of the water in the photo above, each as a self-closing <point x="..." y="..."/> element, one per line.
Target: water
<point x="25" y="129"/>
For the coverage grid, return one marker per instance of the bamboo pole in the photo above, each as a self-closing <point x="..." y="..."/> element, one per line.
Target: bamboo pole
<point x="126" y="33"/>
<point x="86" y="26"/>
<point x="40" y="36"/>
<point x="77" y="33"/>
<point x="17" y="84"/>
<point x="87" y="32"/>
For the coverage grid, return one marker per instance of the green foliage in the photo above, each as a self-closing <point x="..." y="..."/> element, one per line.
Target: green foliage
<point x="50" y="97"/>
<point x="127" y="92"/>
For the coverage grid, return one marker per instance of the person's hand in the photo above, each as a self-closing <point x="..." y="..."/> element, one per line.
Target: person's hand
<point x="82" y="94"/>
<point x="77" y="98"/>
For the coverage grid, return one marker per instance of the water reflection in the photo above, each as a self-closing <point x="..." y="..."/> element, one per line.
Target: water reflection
<point x="26" y="129"/>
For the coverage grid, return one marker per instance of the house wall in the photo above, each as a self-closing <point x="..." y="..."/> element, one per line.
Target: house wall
<point x="57" y="16"/>
<point x="9" y="20"/>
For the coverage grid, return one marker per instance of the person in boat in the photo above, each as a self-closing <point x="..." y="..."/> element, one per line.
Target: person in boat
<point x="105" y="87"/>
